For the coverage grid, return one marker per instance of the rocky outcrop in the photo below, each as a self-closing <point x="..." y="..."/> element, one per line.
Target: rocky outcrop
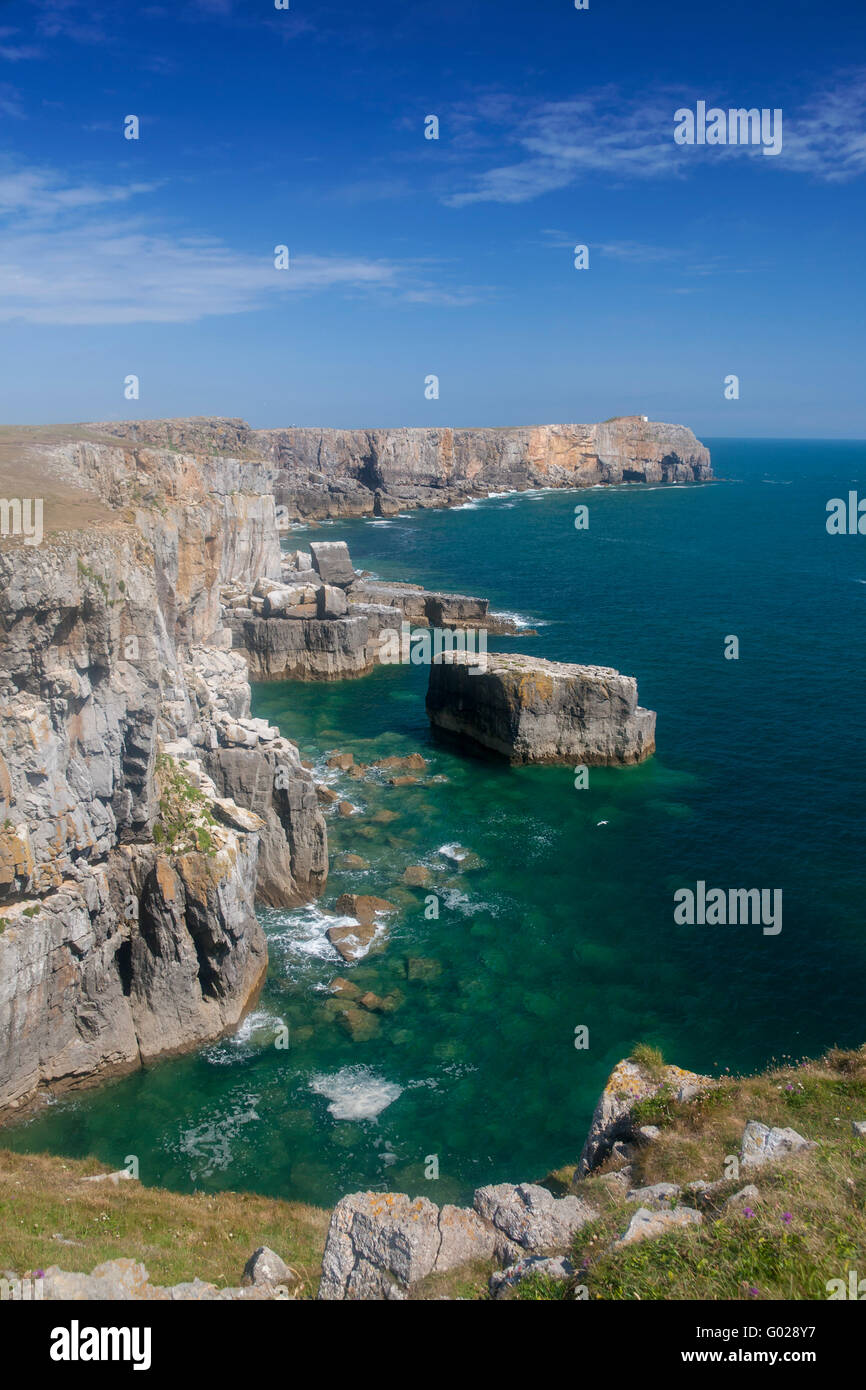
<point x="628" y="1083"/>
<point x="535" y="711"/>
<point x="379" y="1246"/>
<point x="329" y="622"/>
<point x="317" y="473"/>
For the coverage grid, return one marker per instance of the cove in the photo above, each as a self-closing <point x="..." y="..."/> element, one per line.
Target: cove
<point x="565" y="919"/>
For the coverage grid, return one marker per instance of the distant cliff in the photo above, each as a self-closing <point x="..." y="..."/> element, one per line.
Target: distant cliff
<point x="330" y="473"/>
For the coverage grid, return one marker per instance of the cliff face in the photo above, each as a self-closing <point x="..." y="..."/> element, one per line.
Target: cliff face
<point x="321" y="473"/>
<point x="141" y="810"/>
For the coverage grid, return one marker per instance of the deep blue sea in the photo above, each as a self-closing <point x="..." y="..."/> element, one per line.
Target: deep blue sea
<point x="567" y="919"/>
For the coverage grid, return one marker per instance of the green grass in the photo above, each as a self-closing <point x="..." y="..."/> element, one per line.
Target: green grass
<point x="185" y="819"/>
<point x="177" y="1237"/>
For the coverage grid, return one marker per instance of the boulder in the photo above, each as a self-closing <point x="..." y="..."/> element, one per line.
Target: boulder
<point x="657" y="1197"/>
<point x="378" y="1245"/>
<point x="647" y="1225"/>
<point x="746" y="1197"/>
<point x="465" y="1236"/>
<point x="265" y="1268"/>
<point x="549" y="1267"/>
<point x="530" y="1217"/>
<point x="283" y="601"/>
<point x="331" y="602"/>
<point x="341" y="760"/>
<point x="363" y="906"/>
<point x="761" y="1144"/>
<point x="352" y="861"/>
<point x="332" y="563"/>
<point x="352" y="942"/>
<point x="416" y="876"/>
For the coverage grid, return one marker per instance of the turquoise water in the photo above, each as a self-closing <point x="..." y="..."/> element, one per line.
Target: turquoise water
<point x="567" y="919"/>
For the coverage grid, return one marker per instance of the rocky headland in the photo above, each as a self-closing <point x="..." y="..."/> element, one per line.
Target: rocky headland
<point x="316" y="473"/>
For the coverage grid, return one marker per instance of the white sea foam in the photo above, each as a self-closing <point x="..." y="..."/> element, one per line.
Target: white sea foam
<point x="518" y="618"/>
<point x="302" y="931"/>
<point x="209" y="1145"/>
<point x="456" y="901"/>
<point x="456" y="853"/>
<point x="257" y="1030"/>
<point x="355" y="1093"/>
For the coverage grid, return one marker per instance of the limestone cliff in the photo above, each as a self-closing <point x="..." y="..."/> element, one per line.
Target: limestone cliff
<point x="536" y="711"/>
<point x="142" y="811"/>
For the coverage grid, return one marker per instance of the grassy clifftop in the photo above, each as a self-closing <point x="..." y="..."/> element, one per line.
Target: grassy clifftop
<point x="177" y="1237"/>
<point x="805" y="1226"/>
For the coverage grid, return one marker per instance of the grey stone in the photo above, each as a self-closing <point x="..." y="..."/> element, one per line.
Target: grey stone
<point x="378" y="1245"/>
<point x="557" y="1267"/>
<point x="530" y="1216"/>
<point x="657" y="1197"/>
<point x="761" y="1144"/>
<point x="265" y="1267"/>
<point x="331" y="602"/>
<point x="745" y="1197"/>
<point x="331" y="560"/>
<point x="647" y="1225"/>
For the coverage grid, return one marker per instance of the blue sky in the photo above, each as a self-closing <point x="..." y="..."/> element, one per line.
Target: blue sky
<point x="412" y="257"/>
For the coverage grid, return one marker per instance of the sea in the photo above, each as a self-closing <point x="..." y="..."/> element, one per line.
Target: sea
<point x="543" y="945"/>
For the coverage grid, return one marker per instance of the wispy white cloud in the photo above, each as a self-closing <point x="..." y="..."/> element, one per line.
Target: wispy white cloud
<point x="10" y="102"/>
<point x="69" y="258"/>
<point x="828" y="137"/>
<point x="554" y="145"/>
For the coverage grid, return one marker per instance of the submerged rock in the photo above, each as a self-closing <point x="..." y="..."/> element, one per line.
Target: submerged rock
<point x="535" y="711"/>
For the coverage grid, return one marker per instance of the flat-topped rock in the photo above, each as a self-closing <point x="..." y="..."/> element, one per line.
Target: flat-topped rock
<point x="536" y="711"/>
<point x="331" y="561"/>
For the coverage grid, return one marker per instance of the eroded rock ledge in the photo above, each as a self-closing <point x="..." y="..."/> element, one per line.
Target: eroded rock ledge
<point x="324" y="620"/>
<point x="536" y="711"/>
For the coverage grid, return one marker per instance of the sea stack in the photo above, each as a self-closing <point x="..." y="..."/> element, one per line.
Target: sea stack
<point x="536" y="711"/>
